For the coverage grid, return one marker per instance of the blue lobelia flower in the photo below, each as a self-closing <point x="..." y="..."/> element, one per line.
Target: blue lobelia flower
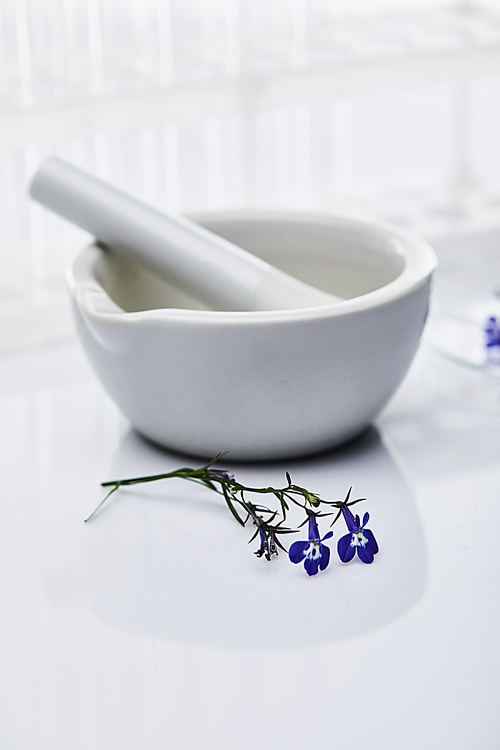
<point x="492" y="331"/>
<point x="315" y="555"/>
<point x="267" y="542"/>
<point x="359" y="539"/>
<point x="224" y="475"/>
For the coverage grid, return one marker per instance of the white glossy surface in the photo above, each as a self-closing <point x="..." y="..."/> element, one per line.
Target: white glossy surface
<point x="174" y="370"/>
<point x="154" y="626"/>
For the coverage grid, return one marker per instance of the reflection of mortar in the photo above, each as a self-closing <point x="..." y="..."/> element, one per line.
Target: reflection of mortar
<point x="167" y="559"/>
<point x="265" y="384"/>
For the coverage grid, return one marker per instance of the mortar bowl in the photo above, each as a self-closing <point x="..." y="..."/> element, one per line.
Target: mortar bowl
<point x="269" y="384"/>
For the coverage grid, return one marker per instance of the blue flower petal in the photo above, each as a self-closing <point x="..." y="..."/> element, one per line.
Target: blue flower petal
<point x="366" y="518"/>
<point x="313" y="531"/>
<point x="325" y="556"/>
<point x="311" y="564"/>
<point x="365" y="554"/>
<point x="344" y="548"/>
<point x="328" y="535"/>
<point x="297" y="551"/>
<point x="348" y="518"/>
<point x="372" y="542"/>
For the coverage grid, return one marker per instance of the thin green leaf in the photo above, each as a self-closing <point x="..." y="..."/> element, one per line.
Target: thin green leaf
<point x="278" y="544"/>
<point x="336" y="518"/>
<point x="253" y="535"/>
<point x="232" y="508"/>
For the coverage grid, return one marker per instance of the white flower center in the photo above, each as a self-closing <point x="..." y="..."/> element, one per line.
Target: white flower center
<point x="358" y="539"/>
<point x="313" y="550"/>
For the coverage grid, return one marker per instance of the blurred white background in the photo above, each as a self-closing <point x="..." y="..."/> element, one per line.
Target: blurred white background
<point x="388" y="107"/>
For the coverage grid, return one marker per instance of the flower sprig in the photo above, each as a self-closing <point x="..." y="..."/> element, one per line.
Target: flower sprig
<point x="269" y="522"/>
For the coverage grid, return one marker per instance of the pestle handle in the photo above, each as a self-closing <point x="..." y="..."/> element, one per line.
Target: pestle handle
<point x="203" y="264"/>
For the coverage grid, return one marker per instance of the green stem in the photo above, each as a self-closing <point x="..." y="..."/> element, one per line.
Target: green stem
<point x="180" y="473"/>
<point x="230" y="489"/>
<point x="101" y="503"/>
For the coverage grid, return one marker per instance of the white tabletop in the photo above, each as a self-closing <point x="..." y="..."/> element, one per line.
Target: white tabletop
<point x="155" y="626"/>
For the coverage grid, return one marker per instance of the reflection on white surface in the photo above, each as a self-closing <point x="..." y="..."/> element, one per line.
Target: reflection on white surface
<point x="466" y="295"/>
<point x="81" y="669"/>
<point x="464" y="373"/>
<point x="184" y="570"/>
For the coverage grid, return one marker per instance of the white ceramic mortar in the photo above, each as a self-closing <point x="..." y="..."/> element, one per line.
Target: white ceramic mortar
<point x="268" y="384"/>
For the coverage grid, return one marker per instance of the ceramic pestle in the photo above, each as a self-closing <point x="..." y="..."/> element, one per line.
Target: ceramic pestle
<point x="203" y="264"/>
